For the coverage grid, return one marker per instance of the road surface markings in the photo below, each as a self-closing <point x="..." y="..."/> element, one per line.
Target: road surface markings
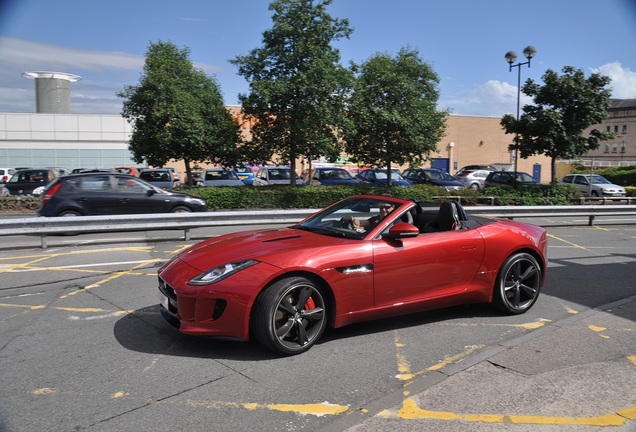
<point x="410" y="411"/>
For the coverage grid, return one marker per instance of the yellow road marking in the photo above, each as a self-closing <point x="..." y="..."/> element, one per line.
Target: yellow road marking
<point x="116" y="275"/>
<point x="410" y="411"/>
<point x="320" y="409"/>
<point x="632" y="359"/>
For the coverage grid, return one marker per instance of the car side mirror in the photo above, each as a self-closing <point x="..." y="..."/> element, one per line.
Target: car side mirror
<point x="150" y="192"/>
<point x="401" y="230"/>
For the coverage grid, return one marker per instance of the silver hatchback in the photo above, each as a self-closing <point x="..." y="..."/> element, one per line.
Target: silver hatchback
<point x="473" y="179"/>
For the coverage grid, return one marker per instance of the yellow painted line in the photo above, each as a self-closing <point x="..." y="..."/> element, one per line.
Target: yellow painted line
<point x="43" y="391"/>
<point x="403" y="365"/>
<point x="9" y="305"/>
<point x="528" y="326"/>
<point x="632" y="359"/>
<point x="82" y="252"/>
<point x="569" y="242"/>
<point x="410" y="411"/>
<point x="320" y="409"/>
<point x="451" y="359"/>
<point x="114" y="276"/>
<point x="118" y="395"/>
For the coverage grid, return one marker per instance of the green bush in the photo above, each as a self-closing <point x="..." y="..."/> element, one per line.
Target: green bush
<point x="19" y="203"/>
<point x="288" y="197"/>
<point x="533" y="195"/>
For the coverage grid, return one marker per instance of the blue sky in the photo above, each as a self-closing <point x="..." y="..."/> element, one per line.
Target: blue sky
<point x="464" y="40"/>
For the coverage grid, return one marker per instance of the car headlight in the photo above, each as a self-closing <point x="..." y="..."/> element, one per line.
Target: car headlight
<point x="221" y="272"/>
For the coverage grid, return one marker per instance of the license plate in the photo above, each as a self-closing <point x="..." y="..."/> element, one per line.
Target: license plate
<point x="164" y="301"/>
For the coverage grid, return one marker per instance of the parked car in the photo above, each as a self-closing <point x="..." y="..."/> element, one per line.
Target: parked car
<point x="432" y="176"/>
<point x="112" y="193"/>
<point x="593" y="185"/>
<point x="329" y="176"/>
<point x="507" y="179"/>
<point x="247" y="284"/>
<point x="478" y="167"/>
<point x="245" y="174"/>
<point x="378" y="177"/>
<point x="473" y="179"/>
<point x="220" y="177"/>
<point x="175" y="174"/>
<point x="28" y="181"/>
<point x="5" y="174"/>
<point x="269" y="175"/>
<point x="130" y="170"/>
<point x="160" y="177"/>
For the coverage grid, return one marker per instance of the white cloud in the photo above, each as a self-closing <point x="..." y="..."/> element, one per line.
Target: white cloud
<point x="104" y="73"/>
<point x="623" y="80"/>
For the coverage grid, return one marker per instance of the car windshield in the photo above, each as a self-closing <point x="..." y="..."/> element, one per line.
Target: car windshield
<point x="349" y="218"/>
<point x="439" y="175"/>
<point x="597" y="179"/>
<point x="335" y="174"/>
<point x="381" y="175"/>
<point x="524" y="177"/>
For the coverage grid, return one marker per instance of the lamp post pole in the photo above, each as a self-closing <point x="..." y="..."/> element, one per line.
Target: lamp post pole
<point x="511" y="56"/>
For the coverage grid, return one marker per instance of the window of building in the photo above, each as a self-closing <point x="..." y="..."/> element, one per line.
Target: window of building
<point x="623" y="148"/>
<point x="624" y="129"/>
<point x="614" y="148"/>
<point x="608" y="129"/>
<point x="615" y="129"/>
<point x="606" y="148"/>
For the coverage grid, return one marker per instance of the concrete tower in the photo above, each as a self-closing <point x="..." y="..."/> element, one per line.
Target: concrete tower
<point x="52" y="91"/>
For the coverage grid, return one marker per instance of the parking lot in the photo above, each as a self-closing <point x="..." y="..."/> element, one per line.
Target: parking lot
<point x="82" y="347"/>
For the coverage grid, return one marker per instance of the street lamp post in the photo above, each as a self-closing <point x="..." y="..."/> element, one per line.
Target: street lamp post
<point x="511" y="56"/>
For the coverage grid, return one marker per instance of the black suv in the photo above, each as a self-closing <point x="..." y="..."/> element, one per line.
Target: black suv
<point x="112" y="193"/>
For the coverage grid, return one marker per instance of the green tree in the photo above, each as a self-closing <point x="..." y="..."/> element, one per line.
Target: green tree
<point x="297" y="85"/>
<point x="177" y="112"/>
<point x="563" y="109"/>
<point x="393" y="116"/>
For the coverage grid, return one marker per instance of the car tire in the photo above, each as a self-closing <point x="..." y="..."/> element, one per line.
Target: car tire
<point x="181" y="209"/>
<point x="290" y="316"/>
<point x="518" y="284"/>
<point x="474" y="186"/>
<point x="69" y="213"/>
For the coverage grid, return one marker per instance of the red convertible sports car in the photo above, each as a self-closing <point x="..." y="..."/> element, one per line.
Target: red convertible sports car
<point x="362" y="258"/>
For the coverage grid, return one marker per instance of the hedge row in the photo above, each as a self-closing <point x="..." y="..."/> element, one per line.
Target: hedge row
<point x="291" y="197"/>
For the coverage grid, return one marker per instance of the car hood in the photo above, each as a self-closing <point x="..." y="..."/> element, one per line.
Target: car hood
<point x="283" y="248"/>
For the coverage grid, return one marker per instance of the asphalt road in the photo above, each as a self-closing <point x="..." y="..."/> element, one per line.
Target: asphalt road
<point x="82" y="347"/>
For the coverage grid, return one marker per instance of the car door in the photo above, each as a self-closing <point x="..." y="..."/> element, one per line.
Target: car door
<point x="95" y="194"/>
<point x="428" y="266"/>
<point x="133" y="197"/>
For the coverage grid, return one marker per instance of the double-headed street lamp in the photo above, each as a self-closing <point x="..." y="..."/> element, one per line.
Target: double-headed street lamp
<point x="511" y="56"/>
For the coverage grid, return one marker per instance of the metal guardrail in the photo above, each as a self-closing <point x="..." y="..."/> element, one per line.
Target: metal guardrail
<point x="43" y="226"/>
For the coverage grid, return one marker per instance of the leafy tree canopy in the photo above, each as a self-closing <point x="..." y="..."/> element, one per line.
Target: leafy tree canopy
<point x="177" y="112"/>
<point x="564" y="107"/>
<point x="297" y="86"/>
<point x="393" y="116"/>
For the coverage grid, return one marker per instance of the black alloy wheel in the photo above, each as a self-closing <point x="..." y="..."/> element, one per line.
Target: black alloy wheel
<point x="290" y="316"/>
<point x="518" y="284"/>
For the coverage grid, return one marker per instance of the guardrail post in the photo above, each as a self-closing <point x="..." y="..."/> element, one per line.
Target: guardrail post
<point x="591" y="221"/>
<point x="43" y="240"/>
<point x="186" y="234"/>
